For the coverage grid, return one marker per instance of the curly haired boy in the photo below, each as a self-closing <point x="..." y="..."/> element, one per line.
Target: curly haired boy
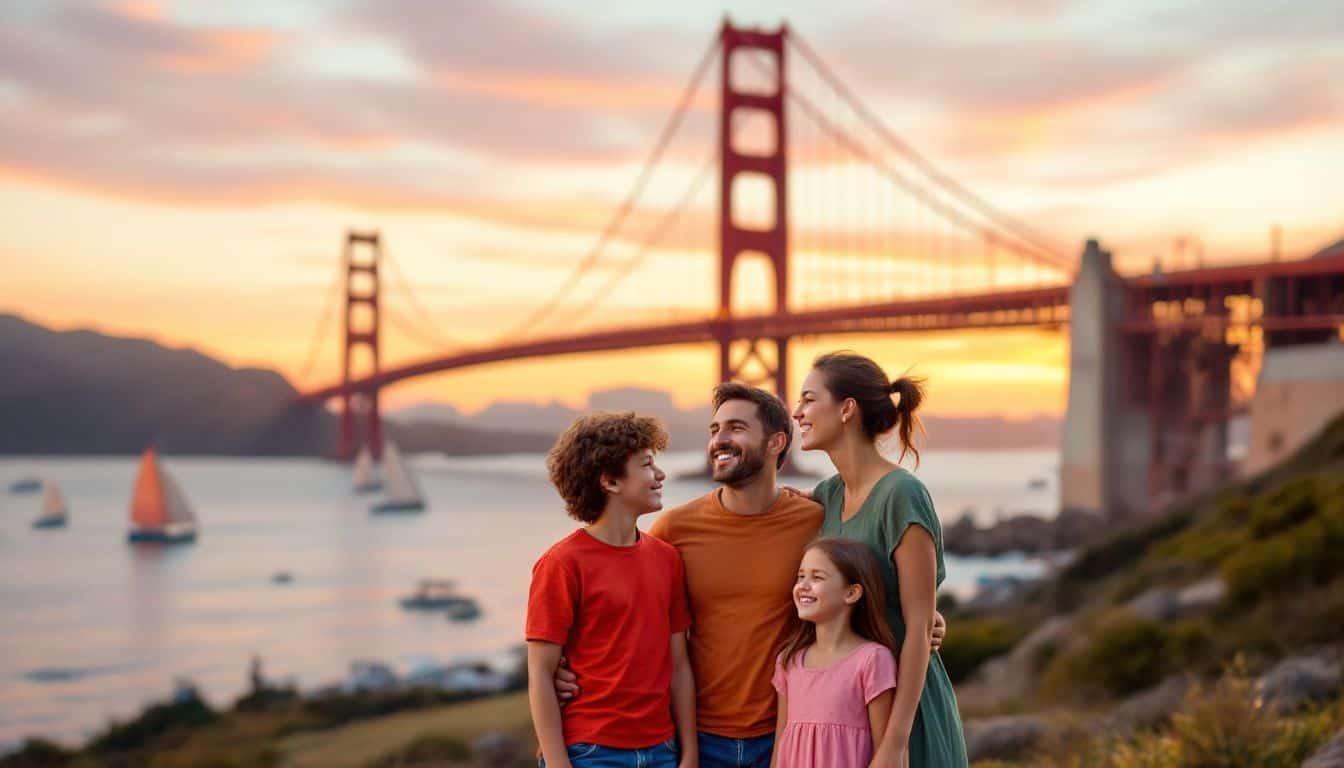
<point x="612" y="601"/>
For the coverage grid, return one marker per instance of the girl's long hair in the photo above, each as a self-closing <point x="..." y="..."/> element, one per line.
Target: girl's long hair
<point x="857" y="565"/>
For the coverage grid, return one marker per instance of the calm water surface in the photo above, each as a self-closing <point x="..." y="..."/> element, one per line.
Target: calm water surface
<point x="92" y="628"/>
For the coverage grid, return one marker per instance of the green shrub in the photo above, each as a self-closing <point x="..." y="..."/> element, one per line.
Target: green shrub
<point x="974" y="641"/>
<point x="1222" y="728"/>
<point x="1307" y="553"/>
<point x="1205" y="546"/>
<point x="38" y="753"/>
<point x="1126" y="547"/>
<point x="1291" y="503"/>
<point x="155" y="721"/>
<point x="1128" y="655"/>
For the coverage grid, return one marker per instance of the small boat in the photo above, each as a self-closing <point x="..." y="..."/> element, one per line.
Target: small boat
<point x="160" y="511"/>
<point x="365" y="479"/>
<point x="467" y="611"/>
<point x="282" y="577"/>
<point x="25" y="485"/>
<point x="1037" y="483"/>
<point x="403" y="493"/>
<point x="54" y="508"/>
<point x="435" y="595"/>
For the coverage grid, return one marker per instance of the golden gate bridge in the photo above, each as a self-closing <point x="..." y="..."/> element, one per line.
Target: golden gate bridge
<point x="861" y="233"/>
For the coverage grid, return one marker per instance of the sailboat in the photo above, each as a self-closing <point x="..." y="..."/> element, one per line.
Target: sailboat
<point x="53" y="507"/>
<point x="403" y="494"/>
<point x="365" y="480"/>
<point x="160" y="511"/>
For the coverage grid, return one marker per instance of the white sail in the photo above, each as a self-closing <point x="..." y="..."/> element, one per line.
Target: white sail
<point x="399" y="483"/>
<point x="179" y="509"/>
<point x="53" y="502"/>
<point x="364" y="469"/>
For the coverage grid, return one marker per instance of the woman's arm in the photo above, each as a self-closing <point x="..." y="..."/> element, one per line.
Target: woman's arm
<point x="879" y="712"/>
<point x="916" y="561"/>
<point x="781" y="719"/>
<point x="683" y="702"/>
<point x="542" y="659"/>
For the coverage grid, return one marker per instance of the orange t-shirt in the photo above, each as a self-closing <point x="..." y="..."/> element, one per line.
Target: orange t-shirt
<point x="613" y="610"/>
<point x="740" y="571"/>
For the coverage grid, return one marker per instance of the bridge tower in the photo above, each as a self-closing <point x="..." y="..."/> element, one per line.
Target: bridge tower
<point x="362" y="255"/>
<point x="754" y="366"/>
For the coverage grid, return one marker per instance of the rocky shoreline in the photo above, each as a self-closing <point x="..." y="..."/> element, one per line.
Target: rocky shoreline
<point x="1026" y="533"/>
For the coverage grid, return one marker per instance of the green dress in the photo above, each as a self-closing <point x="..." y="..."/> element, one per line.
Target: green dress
<point x="897" y="501"/>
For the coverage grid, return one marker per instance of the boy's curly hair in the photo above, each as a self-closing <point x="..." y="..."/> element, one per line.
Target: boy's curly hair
<point x="595" y="445"/>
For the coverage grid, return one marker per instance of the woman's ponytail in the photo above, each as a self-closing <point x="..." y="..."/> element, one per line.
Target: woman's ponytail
<point x="911" y="393"/>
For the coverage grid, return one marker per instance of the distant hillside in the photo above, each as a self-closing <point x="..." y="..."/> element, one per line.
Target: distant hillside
<point x="687" y="427"/>
<point x="82" y="392"/>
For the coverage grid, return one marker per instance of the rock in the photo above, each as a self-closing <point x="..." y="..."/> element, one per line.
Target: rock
<point x="1202" y="594"/>
<point x="1157" y="604"/>
<point x="1330" y="755"/>
<point x="1296" y="681"/>
<point x="1012" y="675"/>
<point x="495" y="749"/>
<point x="1151" y="707"/>
<point x="1002" y="738"/>
<point x="1025" y="532"/>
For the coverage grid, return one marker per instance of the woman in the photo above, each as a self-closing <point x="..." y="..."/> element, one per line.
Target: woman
<point x="846" y="407"/>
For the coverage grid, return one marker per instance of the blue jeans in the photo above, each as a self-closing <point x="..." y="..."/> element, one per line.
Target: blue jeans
<point x="723" y="752"/>
<point x="583" y="755"/>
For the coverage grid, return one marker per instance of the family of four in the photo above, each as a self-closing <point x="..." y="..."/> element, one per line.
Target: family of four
<point x="754" y="626"/>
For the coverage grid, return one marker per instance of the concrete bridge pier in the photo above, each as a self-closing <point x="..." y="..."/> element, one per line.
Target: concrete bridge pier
<point x="1106" y="448"/>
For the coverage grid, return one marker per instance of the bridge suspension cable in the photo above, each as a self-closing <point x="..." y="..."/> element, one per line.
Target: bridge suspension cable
<point x="1020" y="231"/>
<point x="655" y="237"/>
<point x="323" y="320"/>
<point x="431" y="328"/>
<point x="628" y="204"/>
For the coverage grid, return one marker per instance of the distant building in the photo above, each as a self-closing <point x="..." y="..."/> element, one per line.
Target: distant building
<point x="1301" y="388"/>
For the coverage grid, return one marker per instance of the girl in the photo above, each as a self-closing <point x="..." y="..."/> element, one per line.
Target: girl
<point x="836" y="673"/>
<point x="847" y="405"/>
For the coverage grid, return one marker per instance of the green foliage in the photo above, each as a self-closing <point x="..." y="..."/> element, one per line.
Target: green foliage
<point x="974" y="642"/>
<point x="1125" y="654"/>
<point x="424" y="749"/>
<point x="1306" y="553"/>
<point x="1218" y="726"/>
<point x="38" y="753"/>
<point x="154" y="722"/>
<point x="1126" y="547"/>
<point x="1128" y="655"/>
<point x="1288" y="505"/>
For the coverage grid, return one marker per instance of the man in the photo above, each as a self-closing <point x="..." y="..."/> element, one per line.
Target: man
<point x="741" y="544"/>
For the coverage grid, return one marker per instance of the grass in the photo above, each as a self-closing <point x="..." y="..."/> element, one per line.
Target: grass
<point x="362" y="743"/>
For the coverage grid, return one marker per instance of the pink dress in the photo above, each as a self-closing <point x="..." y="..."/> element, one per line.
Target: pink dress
<point x="828" y="708"/>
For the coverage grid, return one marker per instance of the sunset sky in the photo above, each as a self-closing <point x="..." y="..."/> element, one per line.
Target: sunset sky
<point x="186" y="170"/>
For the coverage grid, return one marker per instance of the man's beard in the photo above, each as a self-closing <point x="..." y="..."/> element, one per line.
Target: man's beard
<point x="749" y="465"/>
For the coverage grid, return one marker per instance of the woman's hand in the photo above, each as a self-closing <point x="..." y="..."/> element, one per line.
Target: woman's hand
<point x="795" y="492"/>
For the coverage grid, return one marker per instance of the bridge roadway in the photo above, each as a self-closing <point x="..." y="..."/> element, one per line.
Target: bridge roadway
<point x="1002" y="309"/>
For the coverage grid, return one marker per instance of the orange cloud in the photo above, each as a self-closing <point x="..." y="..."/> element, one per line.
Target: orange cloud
<point x="220" y="52"/>
<point x="140" y="10"/>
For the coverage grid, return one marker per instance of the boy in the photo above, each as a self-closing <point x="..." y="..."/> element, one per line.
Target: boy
<point x="613" y="602"/>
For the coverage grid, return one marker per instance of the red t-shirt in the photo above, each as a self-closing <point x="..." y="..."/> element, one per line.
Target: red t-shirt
<point x="613" y="610"/>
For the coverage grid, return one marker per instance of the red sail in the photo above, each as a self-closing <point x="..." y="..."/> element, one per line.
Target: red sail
<point x="149" y="510"/>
